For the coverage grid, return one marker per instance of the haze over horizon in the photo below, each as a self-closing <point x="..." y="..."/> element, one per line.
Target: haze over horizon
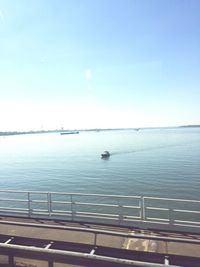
<point x="62" y="129"/>
<point x="99" y="64"/>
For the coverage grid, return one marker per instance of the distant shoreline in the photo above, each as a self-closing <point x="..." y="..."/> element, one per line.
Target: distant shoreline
<point x="10" y="133"/>
<point x="190" y="126"/>
<point x="28" y="132"/>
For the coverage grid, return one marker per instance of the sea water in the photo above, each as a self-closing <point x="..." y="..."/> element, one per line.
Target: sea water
<point x="149" y="162"/>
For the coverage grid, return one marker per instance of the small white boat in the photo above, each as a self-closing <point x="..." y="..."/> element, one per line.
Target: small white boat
<point x="105" y="154"/>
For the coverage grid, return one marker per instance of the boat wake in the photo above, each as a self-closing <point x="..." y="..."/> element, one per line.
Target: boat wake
<point x="142" y="150"/>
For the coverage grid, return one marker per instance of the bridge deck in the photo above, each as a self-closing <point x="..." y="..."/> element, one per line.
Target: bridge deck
<point x="96" y="235"/>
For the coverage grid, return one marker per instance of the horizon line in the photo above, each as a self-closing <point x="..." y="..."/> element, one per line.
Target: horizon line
<point x="99" y="129"/>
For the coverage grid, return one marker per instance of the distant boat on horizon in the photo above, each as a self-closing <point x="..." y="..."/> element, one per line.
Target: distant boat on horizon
<point x="74" y="132"/>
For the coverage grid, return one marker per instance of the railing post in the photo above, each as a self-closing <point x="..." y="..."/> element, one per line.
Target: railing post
<point x="143" y="208"/>
<point x="95" y="239"/>
<point x="121" y="217"/>
<point x="29" y="205"/>
<point x="171" y="219"/>
<point x="72" y="207"/>
<point x="49" y="203"/>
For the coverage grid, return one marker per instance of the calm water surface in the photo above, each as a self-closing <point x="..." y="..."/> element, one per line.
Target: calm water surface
<point x="153" y="162"/>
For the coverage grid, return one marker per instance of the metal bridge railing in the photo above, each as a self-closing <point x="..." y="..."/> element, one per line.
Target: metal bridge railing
<point x="138" y="211"/>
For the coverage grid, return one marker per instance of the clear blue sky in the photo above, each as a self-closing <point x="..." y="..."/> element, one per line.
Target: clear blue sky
<point x="99" y="63"/>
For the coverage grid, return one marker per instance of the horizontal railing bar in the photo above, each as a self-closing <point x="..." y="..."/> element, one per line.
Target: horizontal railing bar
<point x="177" y="210"/>
<point x="60" y="202"/>
<point x="94" y="204"/>
<point x="156" y="222"/>
<point x="22" y="192"/>
<point x="128" y="216"/>
<point x="8" y="212"/>
<point x="103" y="195"/>
<point x="187" y="221"/>
<point x="155" y="208"/>
<point x="12" y="209"/>
<point x="39" y="252"/>
<point x="97" y="217"/>
<point x="98" y="214"/>
<point x="187" y="225"/>
<point x="157" y="219"/>
<point x="68" y="194"/>
<point x="172" y="199"/>
<point x="100" y="195"/>
<point x="130" y="207"/>
<point x="187" y="211"/>
<point x="13" y="199"/>
<point x="78" y="213"/>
